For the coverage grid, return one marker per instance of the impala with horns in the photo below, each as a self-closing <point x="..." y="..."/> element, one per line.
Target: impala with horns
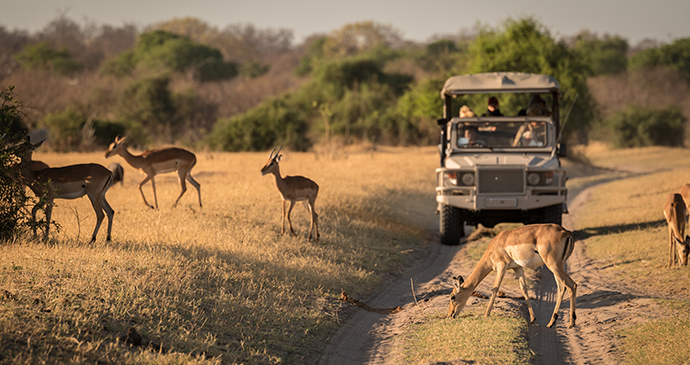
<point x="158" y="161"/>
<point x="68" y="182"/>
<point x="293" y="189"/>
<point x="674" y="212"/>
<point x="527" y="246"/>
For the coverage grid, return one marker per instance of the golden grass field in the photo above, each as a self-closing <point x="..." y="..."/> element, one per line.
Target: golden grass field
<point x="216" y="284"/>
<point x="219" y="284"/>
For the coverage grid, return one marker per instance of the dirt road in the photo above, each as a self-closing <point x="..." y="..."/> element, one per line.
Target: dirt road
<point x="602" y="306"/>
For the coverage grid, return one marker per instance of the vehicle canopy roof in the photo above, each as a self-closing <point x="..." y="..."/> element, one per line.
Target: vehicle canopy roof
<point x="499" y="82"/>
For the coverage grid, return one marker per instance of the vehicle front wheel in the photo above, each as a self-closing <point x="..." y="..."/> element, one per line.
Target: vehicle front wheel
<point x="451" y="225"/>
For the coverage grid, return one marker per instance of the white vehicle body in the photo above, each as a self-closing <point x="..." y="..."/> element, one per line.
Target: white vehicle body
<point x="510" y="171"/>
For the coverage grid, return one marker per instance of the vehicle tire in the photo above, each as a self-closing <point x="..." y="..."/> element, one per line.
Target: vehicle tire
<point x="451" y="224"/>
<point x="553" y="214"/>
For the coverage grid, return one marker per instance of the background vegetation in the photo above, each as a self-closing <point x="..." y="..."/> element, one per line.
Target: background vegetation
<point x="185" y="82"/>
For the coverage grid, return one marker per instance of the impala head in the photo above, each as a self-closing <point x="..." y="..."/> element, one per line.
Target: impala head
<point x="458" y="297"/>
<point x="29" y="150"/>
<point x="115" y="147"/>
<point x="273" y="160"/>
<point x="683" y="249"/>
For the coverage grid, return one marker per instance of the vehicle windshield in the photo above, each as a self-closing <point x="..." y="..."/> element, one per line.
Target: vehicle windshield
<point x="527" y="134"/>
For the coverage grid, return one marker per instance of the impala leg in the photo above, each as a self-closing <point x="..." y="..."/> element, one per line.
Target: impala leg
<point x="282" y="226"/>
<point x="34" y="210"/>
<point x="292" y="204"/>
<point x="49" y="213"/>
<point x="520" y="273"/>
<point x="155" y="196"/>
<point x="671" y="251"/>
<point x="183" y="185"/>
<point x="96" y="204"/>
<point x="110" y="213"/>
<point x="142" y="191"/>
<point x="312" y="213"/>
<point x="564" y="282"/>
<point x="196" y="185"/>
<point x="500" y="272"/>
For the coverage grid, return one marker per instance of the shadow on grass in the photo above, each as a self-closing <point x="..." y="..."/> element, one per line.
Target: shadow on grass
<point x="582" y="234"/>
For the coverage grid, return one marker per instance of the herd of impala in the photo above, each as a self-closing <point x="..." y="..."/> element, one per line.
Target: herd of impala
<point x="528" y="246"/>
<point x="94" y="180"/>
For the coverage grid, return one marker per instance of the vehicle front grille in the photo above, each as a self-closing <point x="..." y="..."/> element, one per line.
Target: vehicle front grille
<point x="500" y="181"/>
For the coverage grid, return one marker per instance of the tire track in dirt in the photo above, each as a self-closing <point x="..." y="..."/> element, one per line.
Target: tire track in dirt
<point x="603" y="305"/>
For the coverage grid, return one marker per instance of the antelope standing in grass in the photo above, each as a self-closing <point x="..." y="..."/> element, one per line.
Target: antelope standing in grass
<point x="68" y="182"/>
<point x="674" y="212"/>
<point x="293" y="189"/>
<point x="527" y="246"/>
<point x="158" y="161"/>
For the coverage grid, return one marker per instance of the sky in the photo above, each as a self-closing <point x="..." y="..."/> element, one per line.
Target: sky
<point x="634" y="20"/>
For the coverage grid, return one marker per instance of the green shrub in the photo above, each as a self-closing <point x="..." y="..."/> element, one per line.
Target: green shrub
<point x="273" y="122"/>
<point x="41" y="56"/>
<point x="69" y="131"/>
<point x="638" y="126"/>
<point x="149" y="103"/>
<point x="14" y="218"/>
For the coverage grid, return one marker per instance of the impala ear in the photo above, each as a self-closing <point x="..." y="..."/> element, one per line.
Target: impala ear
<point x="279" y="158"/>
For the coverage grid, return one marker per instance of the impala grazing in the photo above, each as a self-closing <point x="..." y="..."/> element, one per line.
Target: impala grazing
<point x="674" y="212"/>
<point x="68" y="182"/>
<point x="158" y="161"/>
<point x="293" y="189"/>
<point x="685" y="193"/>
<point x="527" y="246"/>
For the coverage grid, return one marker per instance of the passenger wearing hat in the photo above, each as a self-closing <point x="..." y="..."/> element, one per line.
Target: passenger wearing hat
<point x="492" y="108"/>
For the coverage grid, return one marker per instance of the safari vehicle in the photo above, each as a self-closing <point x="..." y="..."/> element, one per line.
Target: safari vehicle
<point x="500" y="168"/>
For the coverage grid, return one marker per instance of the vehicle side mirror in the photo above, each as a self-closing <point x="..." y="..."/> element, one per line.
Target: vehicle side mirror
<point x="441" y="122"/>
<point x="562" y="150"/>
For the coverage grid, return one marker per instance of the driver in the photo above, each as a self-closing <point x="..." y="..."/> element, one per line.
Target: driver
<point x="471" y="133"/>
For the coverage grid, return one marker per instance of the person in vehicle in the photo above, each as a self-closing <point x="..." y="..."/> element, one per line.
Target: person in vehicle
<point x="471" y="137"/>
<point x="466" y="112"/>
<point x="537" y="107"/>
<point x="492" y="109"/>
<point x="532" y="133"/>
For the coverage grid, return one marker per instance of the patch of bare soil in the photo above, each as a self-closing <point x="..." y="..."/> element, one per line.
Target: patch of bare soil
<point x="603" y="305"/>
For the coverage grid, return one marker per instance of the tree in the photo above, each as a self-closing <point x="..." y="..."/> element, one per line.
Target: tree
<point x="675" y="56"/>
<point x="159" y="49"/>
<point x="524" y="45"/>
<point x="604" y="56"/>
<point x="41" y="56"/>
<point x="355" y="38"/>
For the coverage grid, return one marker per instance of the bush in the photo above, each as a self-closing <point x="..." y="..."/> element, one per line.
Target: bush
<point x="41" y="56"/>
<point x="639" y="126"/>
<point x="14" y="219"/>
<point x="273" y="122"/>
<point x="71" y="130"/>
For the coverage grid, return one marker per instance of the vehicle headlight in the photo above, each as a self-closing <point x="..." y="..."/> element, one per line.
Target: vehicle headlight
<point x="452" y="177"/>
<point x="468" y="178"/>
<point x="545" y="178"/>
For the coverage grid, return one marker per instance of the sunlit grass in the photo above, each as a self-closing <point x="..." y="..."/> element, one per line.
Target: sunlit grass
<point x="218" y="283"/>
<point x="626" y="232"/>
<point x="498" y="339"/>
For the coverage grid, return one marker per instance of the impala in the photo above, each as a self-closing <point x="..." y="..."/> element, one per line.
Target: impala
<point x="674" y="212"/>
<point x="293" y="189"/>
<point x="685" y="193"/>
<point x="527" y="246"/>
<point x="158" y="161"/>
<point x="68" y="182"/>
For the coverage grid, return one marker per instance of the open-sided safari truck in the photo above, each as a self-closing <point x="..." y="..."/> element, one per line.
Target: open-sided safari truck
<point x="500" y="168"/>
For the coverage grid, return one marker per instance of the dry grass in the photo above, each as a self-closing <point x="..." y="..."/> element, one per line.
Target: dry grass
<point x="498" y="339"/>
<point x="216" y="284"/>
<point x="627" y="233"/>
